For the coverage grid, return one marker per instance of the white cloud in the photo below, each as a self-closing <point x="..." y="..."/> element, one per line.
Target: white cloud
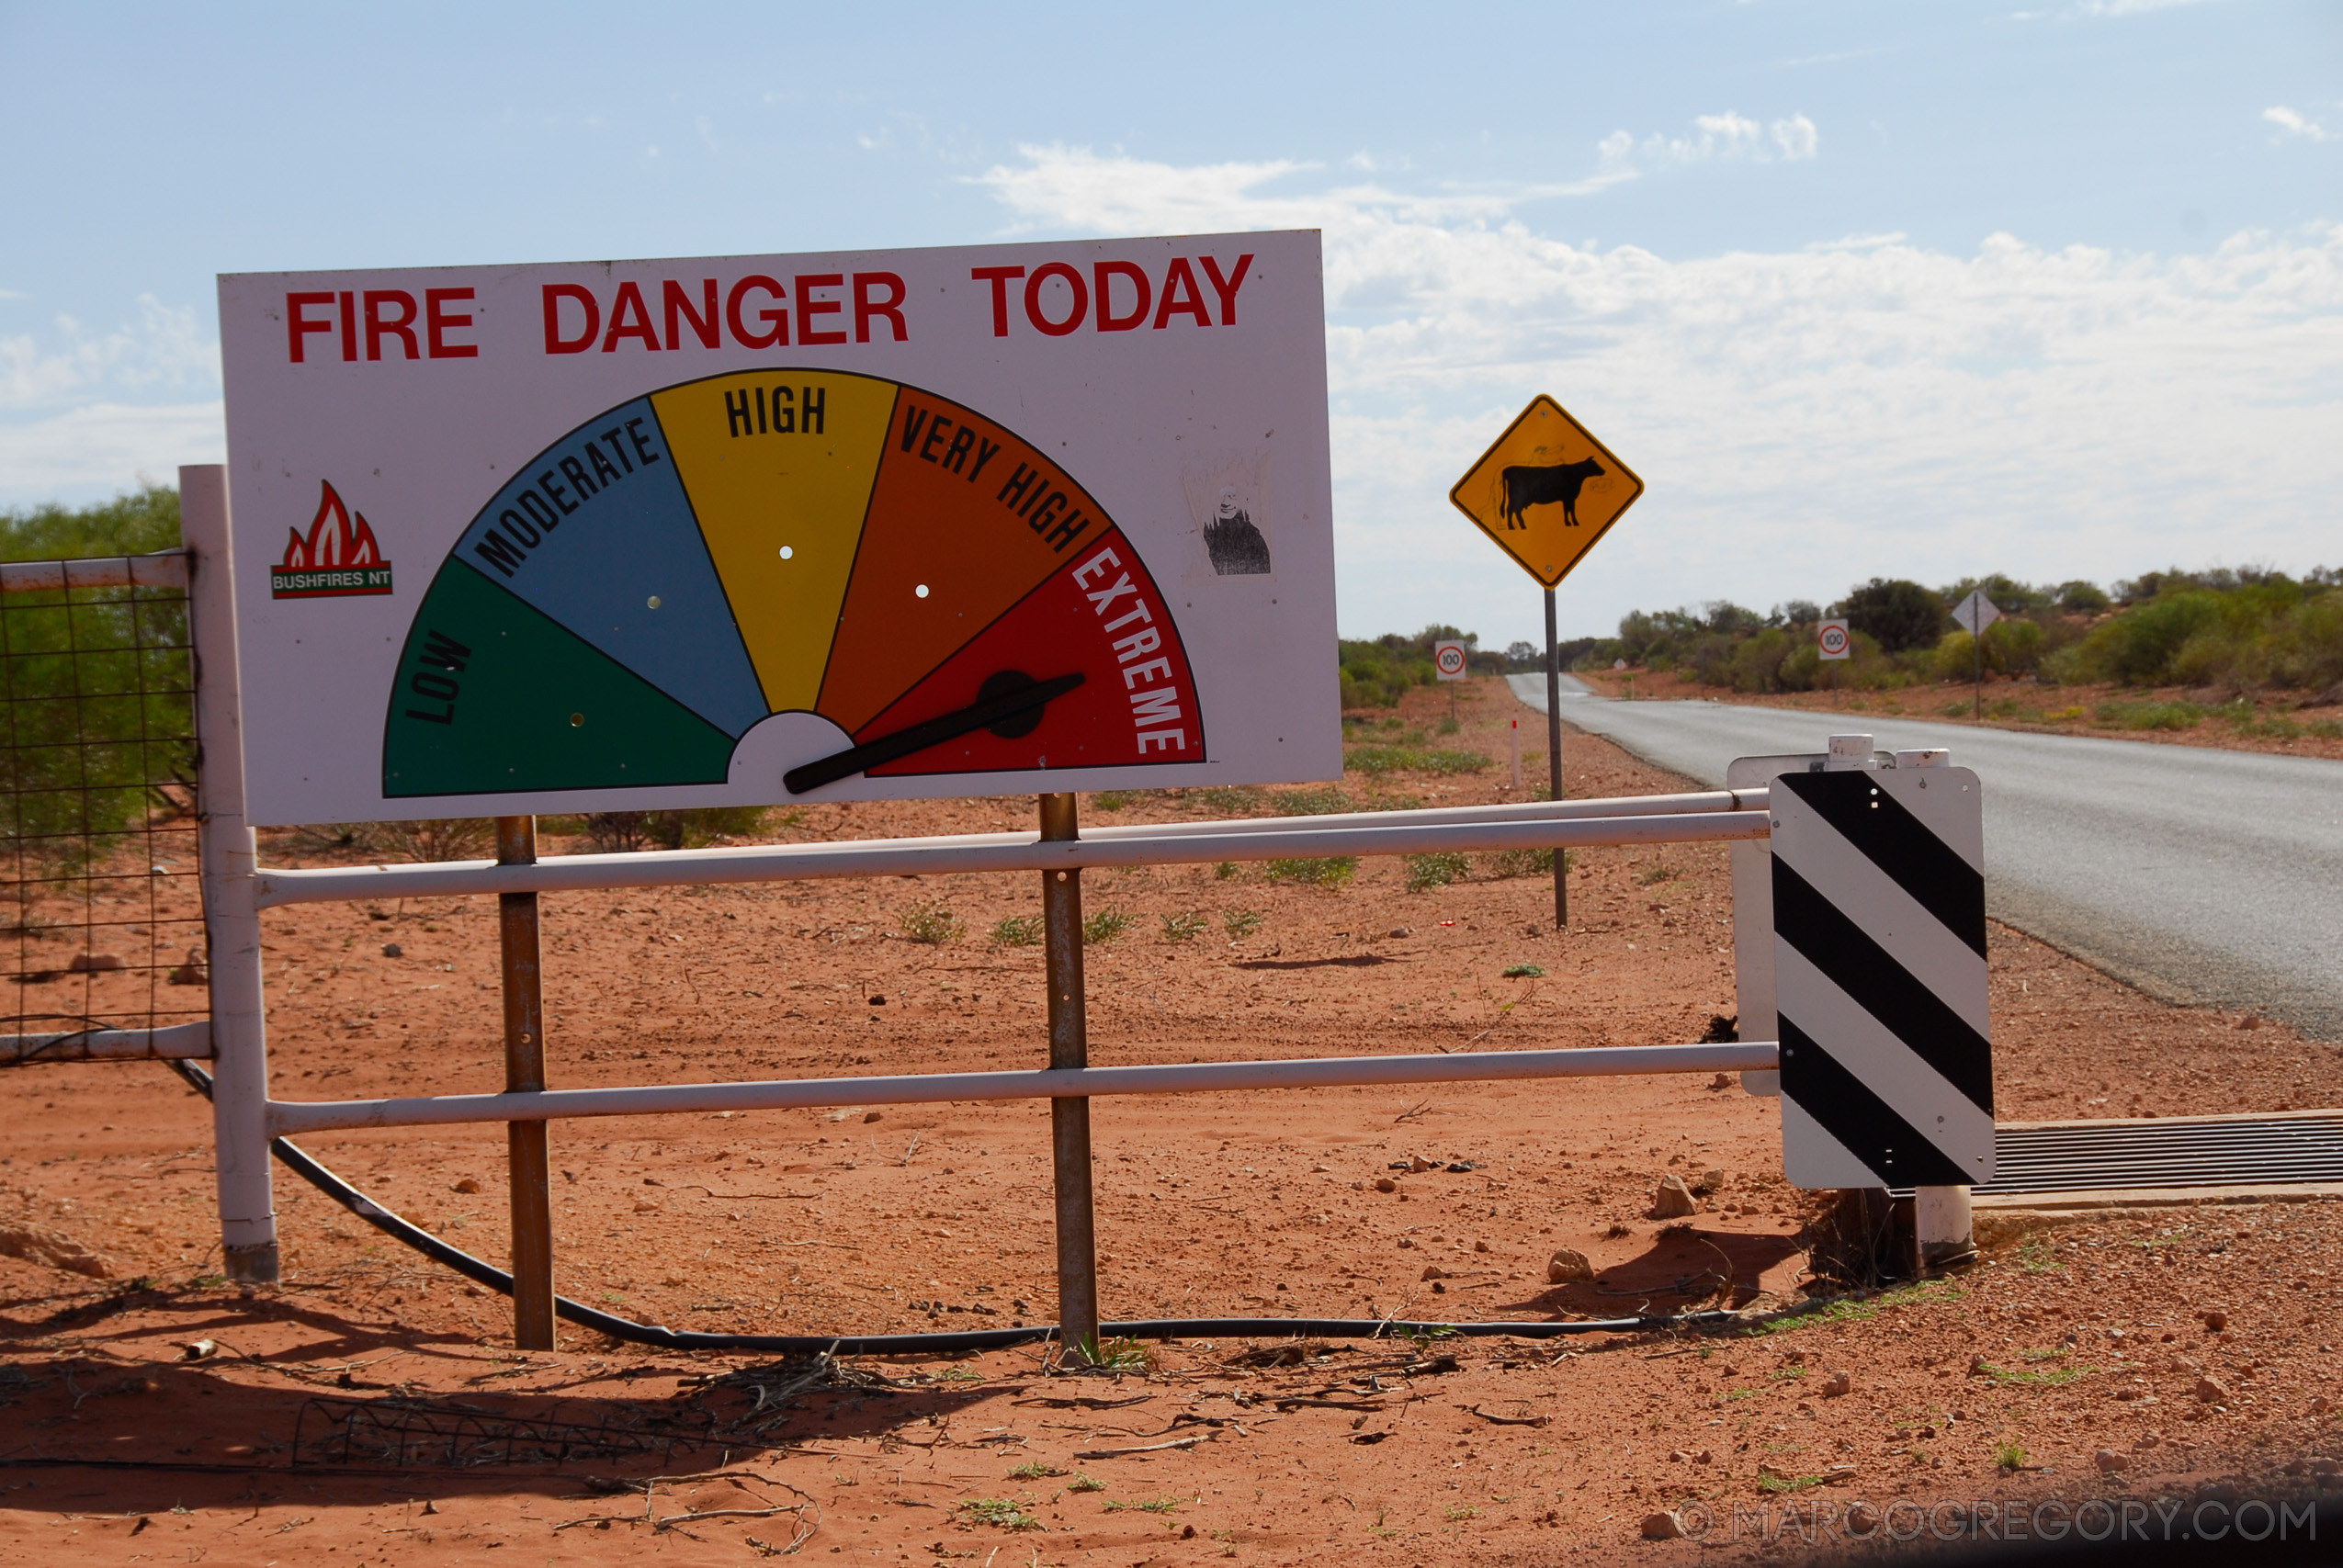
<point x="83" y="411"/>
<point x="99" y="448"/>
<point x="2127" y="7"/>
<point x="1802" y="419"/>
<point x="1715" y="137"/>
<point x="2294" y="123"/>
<point x="161" y="347"/>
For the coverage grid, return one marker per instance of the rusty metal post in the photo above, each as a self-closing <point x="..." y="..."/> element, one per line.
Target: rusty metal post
<point x="1061" y="914"/>
<point x="1554" y="761"/>
<point x="526" y="1155"/>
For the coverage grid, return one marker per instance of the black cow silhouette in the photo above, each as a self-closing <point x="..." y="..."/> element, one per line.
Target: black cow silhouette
<point x="1528" y="485"/>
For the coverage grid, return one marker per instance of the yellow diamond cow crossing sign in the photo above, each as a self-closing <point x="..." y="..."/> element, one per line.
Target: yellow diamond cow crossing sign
<point x="1546" y="491"/>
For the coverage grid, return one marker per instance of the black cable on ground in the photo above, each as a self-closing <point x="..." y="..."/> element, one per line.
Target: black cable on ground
<point x="585" y="1316"/>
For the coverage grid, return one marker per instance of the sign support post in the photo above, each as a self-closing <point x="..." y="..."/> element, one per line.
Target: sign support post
<point x="1062" y="919"/>
<point x="1544" y="493"/>
<point x="1553" y="759"/>
<point x="525" y="1156"/>
<point x="231" y="913"/>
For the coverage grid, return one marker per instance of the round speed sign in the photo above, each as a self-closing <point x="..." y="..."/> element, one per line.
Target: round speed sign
<point x="1834" y="639"/>
<point x="1449" y="657"/>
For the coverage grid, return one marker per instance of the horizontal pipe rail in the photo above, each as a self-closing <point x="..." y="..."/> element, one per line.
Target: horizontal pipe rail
<point x="292" y="1118"/>
<point x="1273" y="839"/>
<point x="166" y="569"/>
<point x="173" y="1042"/>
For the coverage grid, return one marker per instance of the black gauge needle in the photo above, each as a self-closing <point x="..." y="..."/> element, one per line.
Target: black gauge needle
<point x="932" y="732"/>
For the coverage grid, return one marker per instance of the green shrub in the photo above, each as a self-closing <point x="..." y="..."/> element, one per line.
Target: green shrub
<point x="1897" y="613"/>
<point x="932" y="923"/>
<point x="1435" y="870"/>
<point x="2151" y="716"/>
<point x="1324" y="801"/>
<point x="1241" y="923"/>
<point x="1375" y="760"/>
<point x="99" y="713"/>
<point x="1330" y="871"/>
<point x="1231" y="800"/>
<point x="1106" y="924"/>
<point x="1018" y="931"/>
<point x="1185" y="927"/>
<point x="1522" y="863"/>
<point x="2012" y="647"/>
<point x="1113" y="799"/>
<point x="2136" y="648"/>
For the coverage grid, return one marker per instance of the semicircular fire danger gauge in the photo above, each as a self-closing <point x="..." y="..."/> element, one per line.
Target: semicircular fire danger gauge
<point x="794" y="574"/>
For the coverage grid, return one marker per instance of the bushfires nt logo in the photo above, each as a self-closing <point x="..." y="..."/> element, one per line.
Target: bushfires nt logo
<point x="337" y="556"/>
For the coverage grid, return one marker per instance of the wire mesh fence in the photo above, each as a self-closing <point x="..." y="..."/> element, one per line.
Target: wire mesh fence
<point x="100" y="896"/>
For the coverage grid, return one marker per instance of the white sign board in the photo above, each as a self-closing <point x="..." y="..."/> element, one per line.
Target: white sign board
<point x="1976" y="613"/>
<point x="1449" y="662"/>
<point x="739" y="530"/>
<point x="1831" y="640"/>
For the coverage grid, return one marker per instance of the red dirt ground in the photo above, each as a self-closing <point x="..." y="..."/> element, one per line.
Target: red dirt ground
<point x="121" y="1445"/>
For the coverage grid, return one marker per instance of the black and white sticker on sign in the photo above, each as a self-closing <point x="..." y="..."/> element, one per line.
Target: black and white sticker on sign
<point x="1880" y="975"/>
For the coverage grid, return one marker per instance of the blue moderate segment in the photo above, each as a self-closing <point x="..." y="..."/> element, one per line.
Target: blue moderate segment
<point x="597" y="533"/>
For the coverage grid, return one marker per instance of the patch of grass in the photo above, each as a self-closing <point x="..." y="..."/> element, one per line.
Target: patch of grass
<point x="1770" y="1482"/>
<point x="2060" y="1354"/>
<point x="1018" y="931"/>
<point x="1928" y="1293"/>
<point x="1113" y="799"/>
<point x="1226" y="870"/>
<point x="1374" y="760"/>
<point x="1186" y="927"/>
<point x="1522" y="863"/>
<point x="2038" y="1256"/>
<point x="1084" y="1483"/>
<point x="1525" y="971"/>
<point x="1118" y="1355"/>
<point x="932" y="923"/>
<point x="1449" y="726"/>
<point x="1787" y="1374"/>
<point x="1106" y="925"/>
<point x="1240" y="923"/>
<point x="1656" y="874"/>
<point x="1457" y="1511"/>
<point x="1435" y="870"/>
<point x="1001" y="1513"/>
<point x="1151" y="1505"/>
<point x="1033" y="1470"/>
<point x="2150" y="715"/>
<point x="960" y="1373"/>
<point x="1324" y="801"/>
<point x="2009" y="1456"/>
<point x="1229" y="800"/>
<point x="1328" y="871"/>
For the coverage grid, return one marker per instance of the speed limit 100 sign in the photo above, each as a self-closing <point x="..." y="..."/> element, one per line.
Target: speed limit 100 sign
<point x="1448" y="659"/>
<point x="1831" y="639"/>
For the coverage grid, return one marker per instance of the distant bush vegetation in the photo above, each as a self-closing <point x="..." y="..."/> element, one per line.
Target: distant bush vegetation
<point x="2242" y="630"/>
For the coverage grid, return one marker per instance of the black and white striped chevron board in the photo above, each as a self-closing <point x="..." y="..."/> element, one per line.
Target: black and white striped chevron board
<point x="1880" y="977"/>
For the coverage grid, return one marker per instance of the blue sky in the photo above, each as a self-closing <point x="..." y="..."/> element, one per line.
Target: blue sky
<point x="1920" y="289"/>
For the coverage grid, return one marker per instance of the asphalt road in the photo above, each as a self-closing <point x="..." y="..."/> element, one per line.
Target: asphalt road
<point x="2197" y="874"/>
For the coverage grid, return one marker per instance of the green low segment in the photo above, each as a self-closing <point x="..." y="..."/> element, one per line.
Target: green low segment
<point x="492" y="696"/>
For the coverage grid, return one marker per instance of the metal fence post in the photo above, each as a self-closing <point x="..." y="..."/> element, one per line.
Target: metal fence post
<point x="526" y="1160"/>
<point x="1553" y="761"/>
<point x="229" y="856"/>
<point x="1061" y="910"/>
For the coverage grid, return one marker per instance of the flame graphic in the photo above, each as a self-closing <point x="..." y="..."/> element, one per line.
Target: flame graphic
<point x="347" y="545"/>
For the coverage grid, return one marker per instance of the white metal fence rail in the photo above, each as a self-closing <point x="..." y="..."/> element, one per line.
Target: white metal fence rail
<point x="237" y="889"/>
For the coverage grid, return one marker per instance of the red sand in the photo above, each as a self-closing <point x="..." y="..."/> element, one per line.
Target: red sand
<point x="915" y="1217"/>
